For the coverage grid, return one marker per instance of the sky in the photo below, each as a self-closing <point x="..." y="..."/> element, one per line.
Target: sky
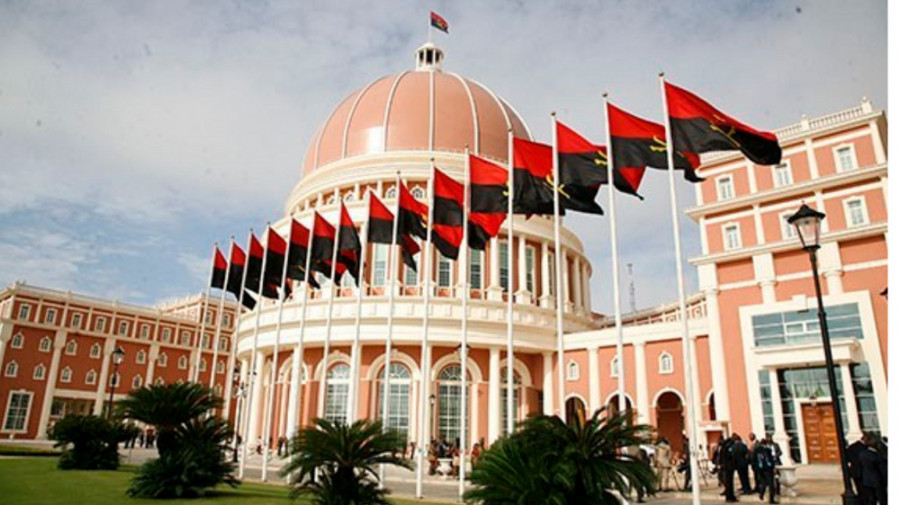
<point x="135" y="134"/>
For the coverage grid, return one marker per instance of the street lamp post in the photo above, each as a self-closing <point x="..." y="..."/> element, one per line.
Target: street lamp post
<point x="807" y="222"/>
<point x="117" y="356"/>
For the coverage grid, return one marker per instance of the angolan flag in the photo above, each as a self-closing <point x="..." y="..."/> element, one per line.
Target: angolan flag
<point x="350" y="248"/>
<point x="220" y="267"/>
<point x="582" y="169"/>
<point x="323" y="248"/>
<point x="236" y="270"/>
<point x="439" y="22"/>
<point x="532" y="178"/>
<point x="448" y="215"/>
<point x="489" y="193"/>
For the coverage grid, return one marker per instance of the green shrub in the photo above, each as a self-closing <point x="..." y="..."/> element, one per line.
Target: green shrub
<point x="87" y="442"/>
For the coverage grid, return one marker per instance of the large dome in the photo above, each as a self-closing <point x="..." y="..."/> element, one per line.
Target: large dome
<point x="419" y="110"/>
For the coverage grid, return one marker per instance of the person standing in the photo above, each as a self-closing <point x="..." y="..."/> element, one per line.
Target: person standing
<point x="854" y="450"/>
<point x="663" y="463"/>
<point x="763" y="461"/>
<point x="742" y="462"/>
<point x="874" y="473"/>
<point x="756" y="477"/>
<point x="726" y="456"/>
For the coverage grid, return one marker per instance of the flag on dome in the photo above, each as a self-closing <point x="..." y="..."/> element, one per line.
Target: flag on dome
<point x="381" y="222"/>
<point x="297" y="253"/>
<point x="439" y="22"/>
<point x="582" y="169"/>
<point x="532" y="177"/>
<point x="448" y="215"/>
<point x="638" y="144"/>
<point x="698" y="127"/>
<point x="323" y="248"/>
<point x="488" y="191"/>
<point x="236" y="270"/>
<point x="220" y="268"/>
<point x="349" y="246"/>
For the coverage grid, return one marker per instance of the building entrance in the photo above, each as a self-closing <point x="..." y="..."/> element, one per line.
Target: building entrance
<point x="821" y="437"/>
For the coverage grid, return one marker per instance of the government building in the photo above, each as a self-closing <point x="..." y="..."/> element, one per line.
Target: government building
<point x="758" y="363"/>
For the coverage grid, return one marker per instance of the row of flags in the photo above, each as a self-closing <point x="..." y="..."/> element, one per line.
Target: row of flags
<point x="637" y="144"/>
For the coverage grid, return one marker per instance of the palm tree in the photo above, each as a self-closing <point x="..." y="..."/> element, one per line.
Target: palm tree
<point x="550" y="462"/>
<point x="337" y="464"/>
<point x="167" y="407"/>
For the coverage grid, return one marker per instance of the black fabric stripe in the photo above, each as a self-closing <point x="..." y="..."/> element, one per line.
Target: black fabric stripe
<point x="699" y="135"/>
<point x="488" y="199"/>
<point x="411" y="224"/>
<point x="381" y="231"/>
<point x="446" y="248"/>
<point x="447" y="211"/>
<point x="531" y="195"/>
<point x="478" y="237"/>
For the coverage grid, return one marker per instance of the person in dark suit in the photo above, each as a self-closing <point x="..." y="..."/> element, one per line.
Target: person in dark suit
<point x="763" y="462"/>
<point x="756" y="476"/>
<point x="874" y="473"/>
<point x="742" y="463"/>
<point x="853" y="452"/>
<point x="726" y="456"/>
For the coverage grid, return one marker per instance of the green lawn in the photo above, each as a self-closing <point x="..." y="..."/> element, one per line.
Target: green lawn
<point x="37" y="481"/>
<point x="19" y="450"/>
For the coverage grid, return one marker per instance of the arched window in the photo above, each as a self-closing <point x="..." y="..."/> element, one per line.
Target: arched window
<point x="418" y="193"/>
<point x="665" y="363"/>
<point x="220" y="367"/>
<point x="572" y="371"/>
<point x="159" y="381"/>
<point x="336" y="394"/>
<point x="141" y="357"/>
<point x="398" y="410"/>
<point x="137" y="382"/>
<point x="18" y="341"/>
<point x="90" y="378"/>
<point x="331" y="200"/>
<point x="95" y="351"/>
<point x="71" y="347"/>
<point x="391" y="193"/>
<point x="162" y="360"/>
<point x="39" y="372"/>
<point x="517" y="398"/>
<point x="350" y="196"/>
<point x="202" y="364"/>
<point x="218" y="390"/>
<point x="12" y="369"/>
<point x="186" y="338"/>
<point x="45" y="344"/>
<point x="182" y="363"/>
<point x="65" y="376"/>
<point x="449" y="389"/>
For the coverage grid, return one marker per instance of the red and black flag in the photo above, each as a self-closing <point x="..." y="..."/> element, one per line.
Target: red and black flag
<point x="411" y="222"/>
<point x="220" y="268"/>
<point x="297" y="253"/>
<point x="448" y="215"/>
<point x="488" y="191"/>
<point x="236" y="270"/>
<point x="254" y="271"/>
<point x="439" y="22"/>
<point x="582" y="169"/>
<point x="276" y="250"/>
<point x="638" y="144"/>
<point x="323" y="248"/>
<point x="349" y="247"/>
<point x="408" y="249"/>
<point x="698" y="127"/>
<point x="532" y="178"/>
<point x="381" y="222"/>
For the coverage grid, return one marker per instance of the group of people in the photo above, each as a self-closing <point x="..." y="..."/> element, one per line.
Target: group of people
<point x="867" y="459"/>
<point x="442" y="450"/>
<point x="761" y="457"/>
<point x="143" y="439"/>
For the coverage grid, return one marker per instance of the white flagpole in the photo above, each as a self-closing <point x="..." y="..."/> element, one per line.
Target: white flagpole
<point x="273" y="373"/>
<point x="510" y="357"/>
<point x="394" y="281"/>
<point x="239" y="404"/>
<point x="614" y="248"/>
<point x="254" y="357"/>
<point x="463" y="264"/>
<point x="424" y="432"/>
<point x="682" y="305"/>
<point x="560" y="309"/>
<point x="218" y="334"/>
<point x="353" y="397"/>
<point x="333" y="291"/>
<point x="203" y="309"/>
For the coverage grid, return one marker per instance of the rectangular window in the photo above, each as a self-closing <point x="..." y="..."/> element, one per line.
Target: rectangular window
<point x="781" y="175"/>
<point x="855" y="210"/>
<point x="845" y="158"/>
<point x="444" y="271"/>
<point x="17" y="412"/>
<point x="76" y="321"/>
<point x="24" y="311"/>
<point x="529" y="269"/>
<point x="145" y="331"/>
<point x="379" y="264"/>
<point x="788" y="231"/>
<point x="786" y="328"/>
<point x="725" y="187"/>
<point x="731" y="236"/>
<point x="227" y="318"/>
<point x="551" y="259"/>
<point x="410" y="276"/>
<point x="166" y="335"/>
<point x="100" y="324"/>
<point x="504" y="264"/>
<point x="123" y="328"/>
<point x="476" y="258"/>
<point x="50" y="316"/>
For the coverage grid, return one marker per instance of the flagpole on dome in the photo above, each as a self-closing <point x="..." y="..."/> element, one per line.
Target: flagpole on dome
<point x="255" y="364"/>
<point x="394" y="284"/>
<point x="424" y="432"/>
<point x="238" y="414"/>
<point x="353" y="397"/>
<point x="195" y="376"/>
<point x="332" y="294"/>
<point x="464" y="347"/>
<point x="614" y="249"/>
<point x="273" y="373"/>
<point x="219" y="314"/>
<point x="560" y="350"/>
<point x="690" y="394"/>
<point x="510" y="356"/>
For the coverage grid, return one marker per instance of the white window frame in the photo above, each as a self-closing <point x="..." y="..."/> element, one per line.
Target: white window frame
<point x="185" y="338"/>
<point x="50" y="316"/>
<point x="6" y="413"/>
<point x="729" y="178"/>
<point x="65" y="375"/>
<point x="380" y="255"/>
<point x="145" y="331"/>
<point x="666" y="363"/>
<point x="226" y="317"/>
<point x="45" y="345"/>
<point x="182" y="362"/>
<point x="77" y="320"/>
<point x="90" y="377"/>
<point x="473" y="268"/>
<point x="503" y="245"/>
<point x="725" y="241"/>
<point x="835" y="151"/>
<point x="447" y="263"/>
<point x="137" y="382"/>
<point x="202" y="364"/>
<point x="11" y="369"/>
<point x="573" y="371"/>
<point x="123" y="329"/>
<point x="220" y="367"/>
<point x="391" y="193"/>
<point x="167" y="335"/>
<point x="418" y="193"/>
<point x="140" y="357"/>
<point x="162" y="360"/>
<point x="788" y="231"/>
<point x="786" y="165"/>
<point x="614" y="367"/>
<point x="848" y="214"/>
<point x="96" y="351"/>
<point x="529" y="269"/>
<point x="100" y="324"/>
<point x="39" y="373"/>
<point x="71" y="348"/>
<point x="24" y="312"/>
<point x="17" y="341"/>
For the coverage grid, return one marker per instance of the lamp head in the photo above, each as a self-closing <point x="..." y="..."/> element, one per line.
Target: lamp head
<point x="808" y="223"/>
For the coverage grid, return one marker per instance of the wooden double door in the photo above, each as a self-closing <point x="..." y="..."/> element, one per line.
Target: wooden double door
<point x="821" y="437"/>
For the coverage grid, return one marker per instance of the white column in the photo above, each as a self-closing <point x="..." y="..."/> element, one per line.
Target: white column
<point x="586" y="287"/>
<point x="640" y="370"/>
<point x="254" y="414"/>
<point x="522" y="295"/>
<point x="829" y="256"/>
<point x="811" y="159"/>
<point x="494" y="290"/>
<point x="5" y="336"/>
<point x="780" y="436"/>
<point x="594" y="380"/>
<point x="294" y="395"/>
<point x="576" y="282"/>
<point x="152" y="356"/>
<point x="548" y="383"/>
<point x="59" y="342"/>
<point x="494" y="418"/>
<point x="108" y="348"/>
<point x="546" y="301"/>
<point x="717" y="356"/>
<point x="695" y="379"/>
<point x="567" y="293"/>
<point x="880" y="155"/>
<point x="854" y="432"/>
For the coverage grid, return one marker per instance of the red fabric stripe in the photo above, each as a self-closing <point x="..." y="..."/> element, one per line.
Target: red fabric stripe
<point x="237" y="255"/>
<point x="408" y="202"/>
<point x="683" y="104"/>
<point x="345" y="217"/>
<point x="445" y="187"/>
<point x="219" y="262"/>
<point x="568" y="141"/>
<point x="256" y="249"/>
<point x="322" y="228"/>
<point x="625" y="125"/>
<point x="299" y="234"/>
<point x="534" y="157"/>
<point x="378" y="210"/>
<point x="275" y="243"/>
<point x="490" y="223"/>
<point x="486" y="173"/>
